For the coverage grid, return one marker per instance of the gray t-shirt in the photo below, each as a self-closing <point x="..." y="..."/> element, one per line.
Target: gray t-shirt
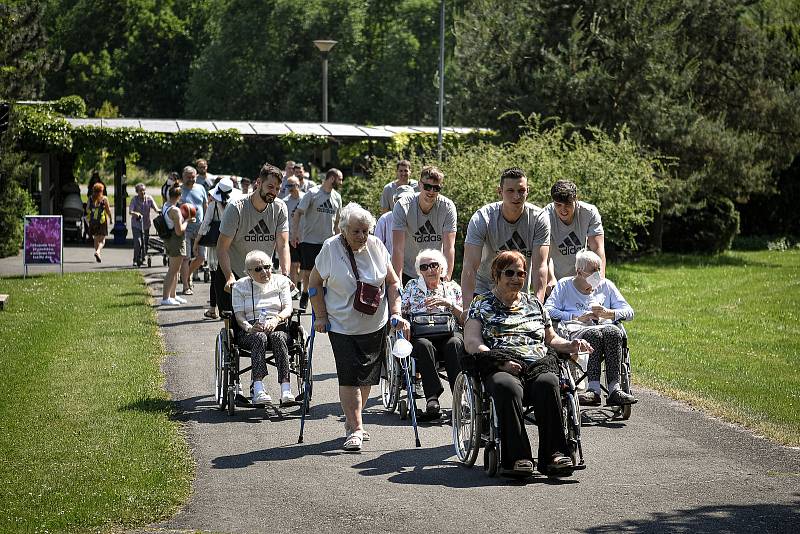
<point x="252" y="230"/>
<point x="320" y="210"/>
<point x="389" y="191"/>
<point x="490" y="230"/>
<point x="423" y="230"/>
<point x="567" y="240"/>
<point x="291" y="205"/>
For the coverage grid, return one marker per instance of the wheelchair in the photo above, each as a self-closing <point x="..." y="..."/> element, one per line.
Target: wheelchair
<point x="228" y="367"/>
<point x="476" y="424"/>
<point x="608" y="412"/>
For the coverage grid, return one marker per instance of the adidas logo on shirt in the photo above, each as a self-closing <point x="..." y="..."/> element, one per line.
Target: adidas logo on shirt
<point x="571" y="245"/>
<point x="517" y="243"/>
<point x="326" y="207"/>
<point x="426" y="233"/>
<point x="260" y="232"/>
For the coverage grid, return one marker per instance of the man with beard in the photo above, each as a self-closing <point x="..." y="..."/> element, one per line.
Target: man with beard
<point x="319" y="210"/>
<point x="511" y="224"/>
<point x="256" y="222"/>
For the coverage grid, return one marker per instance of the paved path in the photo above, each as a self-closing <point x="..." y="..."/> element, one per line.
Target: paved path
<point x="668" y="469"/>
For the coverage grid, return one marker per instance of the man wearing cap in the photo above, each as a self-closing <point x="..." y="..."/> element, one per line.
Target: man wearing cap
<point x="423" y="220"/>
<point x="511" y="224"/>
<point x="316" y="218"/>
<point x="403" y="178"/>
<point x="292" y="200"/>
<point x="383" y="228"/>
<point x="256" y="222"/>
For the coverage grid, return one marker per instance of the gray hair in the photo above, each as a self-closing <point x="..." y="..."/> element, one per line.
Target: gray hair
<point x="435" y="255"/>
<point x="257" y="256"/>
<point x="585" y="259"/>
<point x="354" y="212"/>
<point x="140" y="185"/>
<point x="189" y="170"/>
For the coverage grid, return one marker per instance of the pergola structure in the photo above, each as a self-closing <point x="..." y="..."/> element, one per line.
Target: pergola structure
<point x="52" y="170"/>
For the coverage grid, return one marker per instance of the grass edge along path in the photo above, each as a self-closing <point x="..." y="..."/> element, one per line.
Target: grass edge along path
<point x="86" y="432"/>
<point x="721" y="333"/>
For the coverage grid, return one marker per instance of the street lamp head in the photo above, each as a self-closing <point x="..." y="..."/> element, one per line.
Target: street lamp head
<point x="325" y="46"/>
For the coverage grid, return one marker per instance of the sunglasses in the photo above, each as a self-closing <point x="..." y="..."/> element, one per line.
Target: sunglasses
<point x="425" y="266"/>
<point x="510" y="273"/>
<point x="259" y="269"/>
<point x="432" y="187"/>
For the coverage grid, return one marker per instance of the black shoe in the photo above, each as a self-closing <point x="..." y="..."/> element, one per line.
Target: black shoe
<point x="589" y="398"/>
<point x="433" y="407"/>
<point x="620" y="398"/>
<point x="303" y="301"/>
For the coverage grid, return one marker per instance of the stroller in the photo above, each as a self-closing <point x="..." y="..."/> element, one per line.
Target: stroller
<point x="155" y="247"/>
<point x="72" y="211"/>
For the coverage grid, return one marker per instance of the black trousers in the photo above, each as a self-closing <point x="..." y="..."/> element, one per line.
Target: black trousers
<point x="224" y="299"/>
<point x="510" y="394"/>
<point x="427" y="352"/>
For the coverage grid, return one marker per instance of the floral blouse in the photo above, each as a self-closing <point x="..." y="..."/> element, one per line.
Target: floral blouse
<point x="416" y="291"/>
<point x="519" y="328"/>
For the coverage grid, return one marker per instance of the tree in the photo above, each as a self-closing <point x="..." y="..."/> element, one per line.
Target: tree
<point x="692" y="79"/>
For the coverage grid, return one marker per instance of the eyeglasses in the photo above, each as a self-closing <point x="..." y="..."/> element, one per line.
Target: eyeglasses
<point x="432" y="187"/>
<point x="425" y="266"/>
<point x="259" y="268"/>
<point x="510" y="273"/>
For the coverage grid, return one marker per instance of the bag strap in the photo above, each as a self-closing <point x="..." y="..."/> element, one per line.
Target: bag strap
<point x="352" y="256"/>
<point x="253" y="300"/>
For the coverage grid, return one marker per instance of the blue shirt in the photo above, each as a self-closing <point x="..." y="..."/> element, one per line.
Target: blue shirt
<point x="196" y="197"/>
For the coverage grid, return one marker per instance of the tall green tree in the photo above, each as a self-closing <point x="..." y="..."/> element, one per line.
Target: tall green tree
<point x="692" y="79"/>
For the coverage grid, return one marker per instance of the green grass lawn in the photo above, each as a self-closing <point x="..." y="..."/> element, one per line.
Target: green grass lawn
<point x="721" y="332"/>
<point x="85" y="431"/>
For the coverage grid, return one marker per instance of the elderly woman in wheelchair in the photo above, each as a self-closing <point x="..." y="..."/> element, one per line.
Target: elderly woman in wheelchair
<point x="262" y="303"/>
<point x="590" y="307"/>
<point x="432" y="305"/>
<point x="508" y="332"/>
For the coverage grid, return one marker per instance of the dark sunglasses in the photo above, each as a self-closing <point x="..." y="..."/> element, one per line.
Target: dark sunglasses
<point x="510" y="273"/>
<point x="431" y="187"/>
<point x="259" y="269"/>
<point x="425" y="266"/>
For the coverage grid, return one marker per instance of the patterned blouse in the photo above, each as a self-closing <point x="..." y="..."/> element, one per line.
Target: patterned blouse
<point x="519" y="328"/>
<point x="416" y="291"/>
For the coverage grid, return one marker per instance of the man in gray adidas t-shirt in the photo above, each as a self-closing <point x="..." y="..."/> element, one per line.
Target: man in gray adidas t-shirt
<point x="292" y="200"/>
<point x="390" y="189"/>
<point x="259" y="221"/>
<point x="423" y="220"/>
<point x="573" y="225"/>
<point x="511" y="224"/>
<point x="316" y="218"/>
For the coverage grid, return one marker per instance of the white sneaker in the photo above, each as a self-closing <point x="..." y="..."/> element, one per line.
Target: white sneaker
<point x="261" y="397"/>
<point x="170" y="302"/>
<point x="287" y="397"/>
<point x="180" y="300"/>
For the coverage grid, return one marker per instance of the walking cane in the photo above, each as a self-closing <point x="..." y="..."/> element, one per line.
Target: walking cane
<point x="307" y="387"/>
<point x="402" y="351"/>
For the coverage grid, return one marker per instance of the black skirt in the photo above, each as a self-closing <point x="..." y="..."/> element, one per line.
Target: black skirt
<point x="359" y="358"/>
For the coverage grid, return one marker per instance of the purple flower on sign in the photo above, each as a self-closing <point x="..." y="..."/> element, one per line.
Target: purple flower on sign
<point x="43" y="240"/>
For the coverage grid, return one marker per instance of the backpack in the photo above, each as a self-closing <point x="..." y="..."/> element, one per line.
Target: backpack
<point x="160" y="224"/>
<point x="97" y="214"/>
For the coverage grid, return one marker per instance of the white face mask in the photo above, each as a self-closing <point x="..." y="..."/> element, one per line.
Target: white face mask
<point x="259" y="284"/>
<point x="594" y="279"/>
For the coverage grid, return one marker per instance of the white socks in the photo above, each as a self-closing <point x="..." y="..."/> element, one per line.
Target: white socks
<point x="286" y="386"/>
<point x="594" y="385"/>
<point x="258" y="385"/>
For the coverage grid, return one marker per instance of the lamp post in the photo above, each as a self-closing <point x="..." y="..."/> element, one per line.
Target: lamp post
<point x="324" y="46"/>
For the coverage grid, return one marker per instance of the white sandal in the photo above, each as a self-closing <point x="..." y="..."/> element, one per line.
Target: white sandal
<point x="364" y="434"/>
<point x="353" y="441"/>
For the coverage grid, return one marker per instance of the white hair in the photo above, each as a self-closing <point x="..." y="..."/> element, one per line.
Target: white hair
<point x="257" y="256"/>
<point x="585" y="259"/>
<point x="435" y="255"/>
<point x="354" y="212"/>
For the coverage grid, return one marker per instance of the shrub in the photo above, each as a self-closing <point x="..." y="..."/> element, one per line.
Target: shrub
<point x="707" y="227"/>
<point x="15" y="203"/>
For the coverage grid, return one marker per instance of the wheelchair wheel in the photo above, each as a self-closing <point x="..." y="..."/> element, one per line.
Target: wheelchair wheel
<point x="403" y="407"/>
<point x="221" y="370"/>
<point x="149" y="261"/>
<point x="390" y="380"/>
<point x="491" y="460"/>
<point x="466" y="420"/>
<point x="164" y="259"/>
<point x="570" y="426"/>
<point x="231" y="398"/>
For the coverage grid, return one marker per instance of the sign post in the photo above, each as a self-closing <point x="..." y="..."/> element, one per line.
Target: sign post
<point x="43" y="241"/>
